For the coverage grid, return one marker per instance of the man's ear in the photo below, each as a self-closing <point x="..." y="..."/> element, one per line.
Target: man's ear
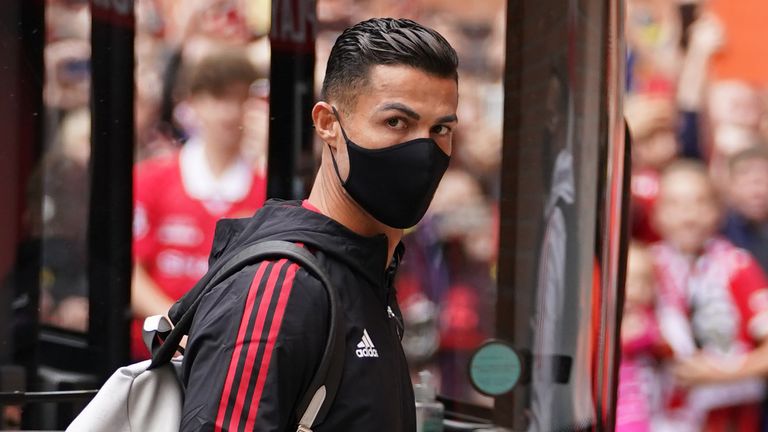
<point x="324" y="120"/>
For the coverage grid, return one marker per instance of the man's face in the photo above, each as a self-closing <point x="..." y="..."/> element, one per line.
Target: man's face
<point x="686" y="213"/>
<point x="399" y="104"/>
<point x="749" y="189"/>
<point x="221" y="116"/>
<point x="734" y="103"/>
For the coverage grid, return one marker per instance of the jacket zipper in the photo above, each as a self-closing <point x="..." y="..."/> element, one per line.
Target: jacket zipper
<point x="397" y="329"/>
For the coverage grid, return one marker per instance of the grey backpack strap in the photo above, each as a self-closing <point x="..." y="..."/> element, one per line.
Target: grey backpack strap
<point x="316" y="402"/>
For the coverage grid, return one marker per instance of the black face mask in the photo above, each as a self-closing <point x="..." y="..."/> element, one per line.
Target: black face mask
<point x="394" y="184"/>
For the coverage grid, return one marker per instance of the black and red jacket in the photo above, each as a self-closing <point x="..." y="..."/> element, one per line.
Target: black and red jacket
<point x="257" y="338"/>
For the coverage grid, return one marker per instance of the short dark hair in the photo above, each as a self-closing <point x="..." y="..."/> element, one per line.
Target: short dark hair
<point x="384" y="41"/>
<point x="217" y="71"/>
<point x="691" y="166"/>
<point x="758" y="151"/>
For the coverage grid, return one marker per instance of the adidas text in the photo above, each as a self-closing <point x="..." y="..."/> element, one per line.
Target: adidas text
<point x="366" y="352"/>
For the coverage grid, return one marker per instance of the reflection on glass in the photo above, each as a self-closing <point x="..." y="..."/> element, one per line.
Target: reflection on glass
<point x="446" y="285"/>
<point x="554" y="273"/>
<point x="60" y="188"/>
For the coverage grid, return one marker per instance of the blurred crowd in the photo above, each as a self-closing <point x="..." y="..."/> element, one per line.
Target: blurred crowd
<point x="696" y="312"/>
<point x="201" y="126"/>
<point x="696" y="104"/>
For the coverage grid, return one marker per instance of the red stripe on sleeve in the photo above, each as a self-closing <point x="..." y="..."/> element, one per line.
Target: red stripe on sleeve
<point x="274" y="330"/>
<point x="227" y="390"/>
<point x="255" y="340"/>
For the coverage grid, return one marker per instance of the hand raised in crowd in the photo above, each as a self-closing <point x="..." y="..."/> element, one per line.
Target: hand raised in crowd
<point x="707" y="35"/>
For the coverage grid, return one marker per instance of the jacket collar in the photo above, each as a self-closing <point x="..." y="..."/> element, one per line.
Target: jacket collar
<point x="289" y="221"/>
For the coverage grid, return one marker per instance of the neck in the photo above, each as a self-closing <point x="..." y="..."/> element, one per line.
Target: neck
<point x="219" y="157"/>
<point x="692" y="253"/>
<point x="330" y="198"/>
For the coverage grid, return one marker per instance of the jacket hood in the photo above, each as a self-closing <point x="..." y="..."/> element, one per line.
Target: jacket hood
<point x="290" y="221"/>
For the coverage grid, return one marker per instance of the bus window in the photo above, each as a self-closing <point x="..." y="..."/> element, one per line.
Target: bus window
<point x="55" y="249"/>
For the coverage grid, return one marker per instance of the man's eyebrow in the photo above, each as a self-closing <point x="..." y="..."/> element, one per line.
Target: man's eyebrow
<point x="402" y="108"/>
<point x="414" y="115"/>
<point x="447" y="119"/>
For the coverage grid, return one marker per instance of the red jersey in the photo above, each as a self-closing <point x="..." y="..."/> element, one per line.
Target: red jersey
<point x="645" y="189"/>
<point x="718" y="303"/>
<point x="177" y="204"/>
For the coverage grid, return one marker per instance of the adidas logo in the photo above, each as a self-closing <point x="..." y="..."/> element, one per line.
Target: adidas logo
<point x="365" y="347"/>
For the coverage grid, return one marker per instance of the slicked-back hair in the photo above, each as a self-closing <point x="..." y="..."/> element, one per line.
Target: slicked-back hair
<point x="384" y="41"/>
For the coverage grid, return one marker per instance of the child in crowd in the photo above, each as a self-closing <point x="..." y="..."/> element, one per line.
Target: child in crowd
<point x="712" y="305"/>
<point x="179" y="197"/>
<point x="641" y="346"/>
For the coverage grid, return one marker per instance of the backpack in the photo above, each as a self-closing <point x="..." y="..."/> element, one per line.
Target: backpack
<point x="148" y="396"/>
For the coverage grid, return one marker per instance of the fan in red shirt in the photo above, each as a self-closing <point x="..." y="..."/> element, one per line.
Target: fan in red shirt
<point x="712" y="308"/>
<point x="180" y="197"/>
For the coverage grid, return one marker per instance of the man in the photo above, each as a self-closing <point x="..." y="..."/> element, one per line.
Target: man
<point x="388" y="109"/>
<point x="179" y="198"/>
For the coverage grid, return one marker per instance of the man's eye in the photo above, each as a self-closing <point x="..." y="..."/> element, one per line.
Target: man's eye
<point x="396" y="123"/>
<point x="441" y="130"/>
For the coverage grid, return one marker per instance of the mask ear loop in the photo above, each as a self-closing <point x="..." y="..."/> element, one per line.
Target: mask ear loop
<point x="344" y="134"/>
<point x="338" y="119"/>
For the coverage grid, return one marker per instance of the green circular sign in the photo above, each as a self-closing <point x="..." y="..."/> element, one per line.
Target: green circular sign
<point x="495" y="368"/>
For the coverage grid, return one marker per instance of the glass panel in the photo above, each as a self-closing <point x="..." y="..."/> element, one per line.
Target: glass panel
<point x="447" y="282"/>
<point x="202" y="113"/>
<point x="44" y="106"/>
<point x="561" y="200"/>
